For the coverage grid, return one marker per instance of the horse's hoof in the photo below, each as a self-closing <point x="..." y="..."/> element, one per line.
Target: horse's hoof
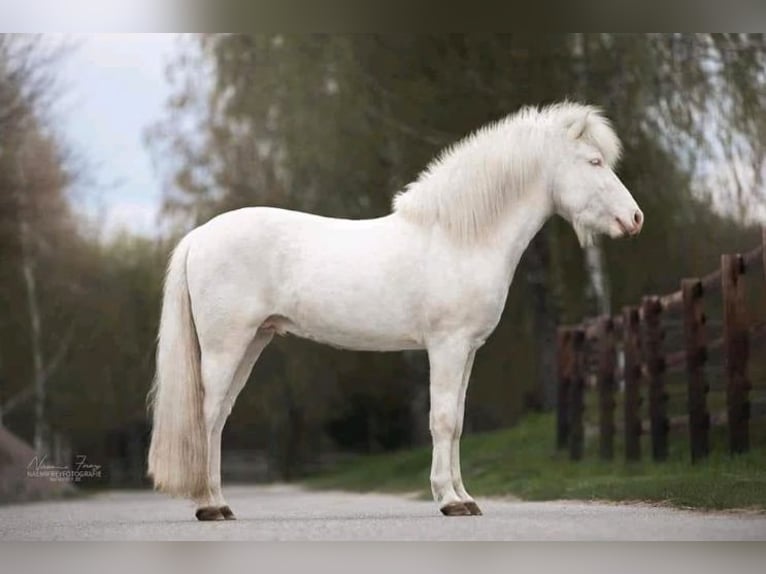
<point x="455" y="509"/>
<point x="209" y="513"/>
<point x="228" y="514"/>
<point x="473" y="508"/>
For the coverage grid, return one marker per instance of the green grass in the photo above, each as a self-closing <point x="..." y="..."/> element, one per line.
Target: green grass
<point x="522" y="462"/>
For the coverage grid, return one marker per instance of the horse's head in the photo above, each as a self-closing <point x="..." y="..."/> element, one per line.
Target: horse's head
<point x="586" y="191"/>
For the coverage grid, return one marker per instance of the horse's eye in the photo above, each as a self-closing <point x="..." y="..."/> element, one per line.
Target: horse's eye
<point x="595" y="161"/>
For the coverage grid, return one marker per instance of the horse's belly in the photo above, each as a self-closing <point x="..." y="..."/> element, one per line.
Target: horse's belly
<point x="356" y="337"/>
<point x="363" y="342"/>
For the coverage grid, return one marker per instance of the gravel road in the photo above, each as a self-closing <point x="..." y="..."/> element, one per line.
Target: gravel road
<point x="291" y="513"/>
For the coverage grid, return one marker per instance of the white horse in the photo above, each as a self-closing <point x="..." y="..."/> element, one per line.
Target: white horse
<point x="433" y="275"/>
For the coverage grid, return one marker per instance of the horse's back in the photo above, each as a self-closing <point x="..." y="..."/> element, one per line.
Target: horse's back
<point x="321" y="274"/>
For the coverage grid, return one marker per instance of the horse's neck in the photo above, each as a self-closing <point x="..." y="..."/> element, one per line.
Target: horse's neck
<point x="521" y="222"/>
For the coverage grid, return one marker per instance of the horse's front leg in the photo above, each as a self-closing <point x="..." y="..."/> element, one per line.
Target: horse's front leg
<point x="457" y="478"/>
<point x="448" y="361"/>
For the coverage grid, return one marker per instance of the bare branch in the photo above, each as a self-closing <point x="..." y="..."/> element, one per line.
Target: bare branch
<point x="17" y="400"/>
<point x="61" y="352"/>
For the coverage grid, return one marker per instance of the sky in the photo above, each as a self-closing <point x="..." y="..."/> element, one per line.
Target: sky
<point x="113" y="88"/>
<point x="87" y="15"/>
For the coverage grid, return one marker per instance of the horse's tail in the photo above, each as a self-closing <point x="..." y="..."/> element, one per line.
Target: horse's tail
<point x="178" y="450"/>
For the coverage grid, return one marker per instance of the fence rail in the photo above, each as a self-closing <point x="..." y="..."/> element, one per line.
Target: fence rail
<point x="595" y="349"/>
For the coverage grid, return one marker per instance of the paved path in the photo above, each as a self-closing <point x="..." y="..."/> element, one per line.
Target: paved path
<point x="290" y="513"/>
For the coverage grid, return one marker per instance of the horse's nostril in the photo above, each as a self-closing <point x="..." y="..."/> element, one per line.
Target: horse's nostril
<point x="637" y="218"/>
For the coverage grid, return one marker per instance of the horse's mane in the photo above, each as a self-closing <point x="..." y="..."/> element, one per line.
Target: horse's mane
<point x="469" y="185"/>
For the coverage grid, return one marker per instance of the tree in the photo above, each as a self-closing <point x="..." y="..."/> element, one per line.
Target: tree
<point x="33" y="209"/>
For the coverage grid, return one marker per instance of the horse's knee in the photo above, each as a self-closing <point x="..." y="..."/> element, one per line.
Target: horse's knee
<point x="443" y="423"/>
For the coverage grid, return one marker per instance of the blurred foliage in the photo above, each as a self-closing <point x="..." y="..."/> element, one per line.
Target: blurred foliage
<point x="336" y="125"/>
<point x="96" y="301"/>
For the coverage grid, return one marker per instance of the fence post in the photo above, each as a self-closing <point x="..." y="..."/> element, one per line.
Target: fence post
<point x="632" y="376"/>
<point x="696" y="356"/>
<point x="736" y="351"/>
<point x="607" y="359"/>
<point x="564" y="347"/>
<point x="576" y="395"/>
<point x="655" y="366"/>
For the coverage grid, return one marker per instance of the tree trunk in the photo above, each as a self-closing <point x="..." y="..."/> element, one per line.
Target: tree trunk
<point x="599" y="285"/>
<point x="33" y="309"/>
<point x="30" y="286"/>
<point x="594" y="254"/>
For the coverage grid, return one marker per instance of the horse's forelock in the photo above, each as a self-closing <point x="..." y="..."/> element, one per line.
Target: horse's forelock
<point x="598" y="130"/>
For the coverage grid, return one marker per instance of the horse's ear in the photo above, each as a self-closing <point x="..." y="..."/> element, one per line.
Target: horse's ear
<point x="578" y="126"/>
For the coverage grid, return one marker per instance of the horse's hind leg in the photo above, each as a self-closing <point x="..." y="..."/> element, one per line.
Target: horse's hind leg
<point x="224" y="373"/>
<point x="259" y="343"/>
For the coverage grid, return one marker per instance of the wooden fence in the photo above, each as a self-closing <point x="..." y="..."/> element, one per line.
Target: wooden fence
<point x="628" y="350"/>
